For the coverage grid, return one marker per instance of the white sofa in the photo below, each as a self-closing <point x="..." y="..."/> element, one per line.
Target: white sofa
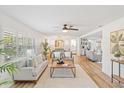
<point x="94" y="56"/>
<point x="32" y="71"/>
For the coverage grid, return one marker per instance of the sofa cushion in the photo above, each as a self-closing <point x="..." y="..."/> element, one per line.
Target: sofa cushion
<point x="31" y="63"/>
<point x="28" y="63"/>
<point x="39" y="59"/>
<point x="21" y="63"/>
<point x="35" y="62"/>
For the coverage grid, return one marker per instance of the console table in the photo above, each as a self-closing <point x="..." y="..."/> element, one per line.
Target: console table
<point x="117" y="77"/>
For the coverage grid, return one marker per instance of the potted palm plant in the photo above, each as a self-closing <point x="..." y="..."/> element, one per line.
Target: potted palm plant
<point x="10" y="68"/>
<point x="46" y="49"/>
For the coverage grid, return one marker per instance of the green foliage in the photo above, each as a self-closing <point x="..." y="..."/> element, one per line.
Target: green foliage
<point x="10" y="68"/>
<point x="1" y="42"/>
<point x="4" y="82"/>
<point x="1" y="50"/>
<point x="46" y="49"/>
<point x="122" y="51"/>
<point x="8" y="40"/>
<point x="117" y="54"/>
<point x="7" y="51"/>
<point x="58" y="59"/>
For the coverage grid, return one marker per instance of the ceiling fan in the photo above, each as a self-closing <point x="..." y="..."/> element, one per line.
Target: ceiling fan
<point x="67" y="28"/>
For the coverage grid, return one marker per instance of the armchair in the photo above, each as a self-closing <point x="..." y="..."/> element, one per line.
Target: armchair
<point x="56" y="55"/>
<point x="68" y="56"/>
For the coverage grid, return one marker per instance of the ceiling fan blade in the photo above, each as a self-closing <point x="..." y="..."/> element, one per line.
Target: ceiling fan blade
<point x="74" y="29"/>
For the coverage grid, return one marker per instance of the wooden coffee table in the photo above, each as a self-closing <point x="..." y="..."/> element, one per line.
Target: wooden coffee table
<point x="67" y="65"/>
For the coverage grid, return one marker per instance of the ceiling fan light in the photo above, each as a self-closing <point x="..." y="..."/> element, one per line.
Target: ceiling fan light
<point x="64" y="30"/>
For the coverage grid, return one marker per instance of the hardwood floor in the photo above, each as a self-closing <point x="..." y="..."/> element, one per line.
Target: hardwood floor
<point x="93" y="69"/>
<point x="23" y="85"/>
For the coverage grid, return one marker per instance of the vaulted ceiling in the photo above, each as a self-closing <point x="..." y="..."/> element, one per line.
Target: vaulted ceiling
<point x="50" y="19"/>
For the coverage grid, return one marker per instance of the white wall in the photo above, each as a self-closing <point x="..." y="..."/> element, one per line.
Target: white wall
<point x="106" y="58"/>
<point x="114" y="26"/>
<point x="78" y="46"/>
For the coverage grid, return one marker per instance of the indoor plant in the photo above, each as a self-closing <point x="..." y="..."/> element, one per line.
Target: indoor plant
<point x="60" y="61"/>
<point x="46" y="49"/>
<point x="117" y="54"/>
<point x="10" y="68"/>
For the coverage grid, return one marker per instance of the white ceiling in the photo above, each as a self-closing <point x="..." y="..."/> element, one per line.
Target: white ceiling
<point x="49" y="19"/>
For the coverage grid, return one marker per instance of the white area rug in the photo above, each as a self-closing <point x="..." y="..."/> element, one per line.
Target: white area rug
<point x="82" y="80"/>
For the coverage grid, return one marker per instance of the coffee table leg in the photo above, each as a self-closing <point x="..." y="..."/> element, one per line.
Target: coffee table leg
<point x="73" y="71"/>
<point x="51" y="71"/>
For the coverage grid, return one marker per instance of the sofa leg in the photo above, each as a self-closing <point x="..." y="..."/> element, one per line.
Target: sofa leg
<point x="35" y="82"/>
<point x="15" y="82"/>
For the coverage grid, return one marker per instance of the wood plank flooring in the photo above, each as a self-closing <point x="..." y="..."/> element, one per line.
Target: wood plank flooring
<point x="93" y="69"/>
<point x="23" y="85"/>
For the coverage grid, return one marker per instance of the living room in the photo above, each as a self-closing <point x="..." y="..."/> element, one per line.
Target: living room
<point x="60" y="48"/>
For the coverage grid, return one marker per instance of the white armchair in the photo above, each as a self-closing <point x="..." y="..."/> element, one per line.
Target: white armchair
<point x="68" y="56"/>
<point x="56" y="55"/>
